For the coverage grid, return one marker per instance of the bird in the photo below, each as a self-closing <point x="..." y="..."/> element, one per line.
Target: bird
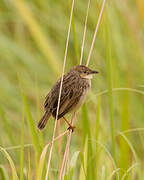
<point x="75" y="87"/>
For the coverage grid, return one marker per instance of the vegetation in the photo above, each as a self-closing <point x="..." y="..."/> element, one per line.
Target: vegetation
<point x="108" y="140"/>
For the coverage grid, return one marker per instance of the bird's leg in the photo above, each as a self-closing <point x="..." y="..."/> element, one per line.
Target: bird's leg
<point x="70" y="125"/>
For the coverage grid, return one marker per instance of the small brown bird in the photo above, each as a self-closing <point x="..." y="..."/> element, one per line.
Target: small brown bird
<point x="76" y="84"/>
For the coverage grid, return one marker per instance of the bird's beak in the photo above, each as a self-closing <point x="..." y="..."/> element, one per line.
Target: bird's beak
<point x="94" y="72"/>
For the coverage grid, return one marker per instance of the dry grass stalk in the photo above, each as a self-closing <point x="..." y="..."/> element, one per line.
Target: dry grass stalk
<point x="84" y="34"/>
<point x="95" y="33"/>
<point x="59" y="140"/>
<point x="65" y="158"/>
<point x="51" y="149"/>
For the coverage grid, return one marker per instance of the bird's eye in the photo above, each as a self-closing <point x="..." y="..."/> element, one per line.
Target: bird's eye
<point x="84" y="71"/>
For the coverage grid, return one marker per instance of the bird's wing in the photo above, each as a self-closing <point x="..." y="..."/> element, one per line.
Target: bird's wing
<point x="71" y="103"/>
<point x="52" y="97"/>
<point x="70" y="96"/>
<point x="46" y="103"/>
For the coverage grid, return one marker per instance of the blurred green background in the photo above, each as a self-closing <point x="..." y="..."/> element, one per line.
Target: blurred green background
<point x="32" y="44"/>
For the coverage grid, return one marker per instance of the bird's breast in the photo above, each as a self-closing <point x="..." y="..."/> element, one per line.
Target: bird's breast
<point x="86" y="89"/>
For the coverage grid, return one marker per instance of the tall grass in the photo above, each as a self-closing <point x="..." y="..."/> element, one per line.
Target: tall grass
<point x="108" y="139"/>
<point x="22" y="150"/>
<point x="110" y="86"/>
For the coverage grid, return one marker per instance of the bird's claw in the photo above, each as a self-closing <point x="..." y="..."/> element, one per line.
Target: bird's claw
<point x="71" y="128"/>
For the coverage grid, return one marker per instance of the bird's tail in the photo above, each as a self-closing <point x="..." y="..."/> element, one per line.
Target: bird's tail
<point x="43" y="120"/>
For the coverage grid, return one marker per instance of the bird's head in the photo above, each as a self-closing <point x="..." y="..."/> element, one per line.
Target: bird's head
<point x="84" y="71"/>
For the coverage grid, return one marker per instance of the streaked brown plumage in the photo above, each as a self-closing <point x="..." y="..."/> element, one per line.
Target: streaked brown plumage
<point x="76" y="84"/>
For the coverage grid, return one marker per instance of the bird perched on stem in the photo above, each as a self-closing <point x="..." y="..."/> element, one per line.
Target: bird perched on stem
<point x="75" y="86"/>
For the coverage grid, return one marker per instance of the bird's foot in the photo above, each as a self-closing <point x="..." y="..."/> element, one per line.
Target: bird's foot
<point x="71" y="128"/>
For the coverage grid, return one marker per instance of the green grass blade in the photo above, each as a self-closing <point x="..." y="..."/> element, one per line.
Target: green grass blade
<point x="38" y="110"/>
<point x="32" y="126"/>
<point x="3" y="173"/>
<point x="83" y="168"/>
<point x="74" y="159"/>
<point x="13" y="168"/>
<point x="133" y="152"/>
<point x="96" y="135"/>
<point x="103" y="173"/>
<point x="87" y="132"/>
<point x="124" y="148"/>
<point x="97" y="118"/>
<point x="29" y="166"/>
<point x="41" y="163"/>
<point x="6" y="126"/>
<point x="22" y="150"/>
<point x="110" y="93"/>
<point x="126" y="174"/>
<point x="73" y="163"/>
<point x="85" y="123"/>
